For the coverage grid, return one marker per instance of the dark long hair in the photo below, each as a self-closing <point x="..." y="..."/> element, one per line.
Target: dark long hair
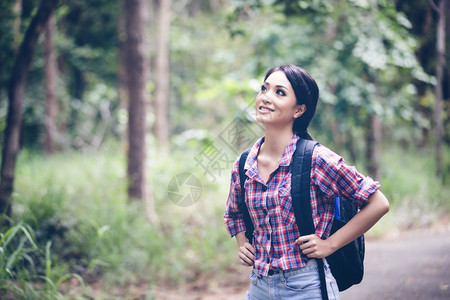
<point x="306" y="92"/>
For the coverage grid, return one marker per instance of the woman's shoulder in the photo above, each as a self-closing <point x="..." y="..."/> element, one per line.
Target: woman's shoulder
<point x="324" y="154"/>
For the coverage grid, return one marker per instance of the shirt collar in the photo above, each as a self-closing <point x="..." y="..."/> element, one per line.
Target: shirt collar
<point x="286" y="158"/>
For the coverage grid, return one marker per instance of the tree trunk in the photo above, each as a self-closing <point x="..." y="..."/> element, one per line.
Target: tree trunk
<point x="15" y="94"/>
<point x="162" y="78"/>
<point x="17" y="20"/>
<point x="51" y="73"/>
<point x="194" y="7"/>
<point x="373" y="147"/>
<point x="121" y="70"/>
<point x="440" y="47"/>
<point x="137" y="70"/>
<point x="350" y="145"/>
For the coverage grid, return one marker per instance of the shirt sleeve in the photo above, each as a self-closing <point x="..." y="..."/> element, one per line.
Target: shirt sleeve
<point x="335" y="178"/>
<point x="233" y="217"/>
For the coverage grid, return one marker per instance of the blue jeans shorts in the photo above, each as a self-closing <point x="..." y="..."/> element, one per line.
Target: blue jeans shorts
<point x="296" y="284"/>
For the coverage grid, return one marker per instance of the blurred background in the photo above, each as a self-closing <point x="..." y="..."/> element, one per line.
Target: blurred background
<point x="120" y="121"/>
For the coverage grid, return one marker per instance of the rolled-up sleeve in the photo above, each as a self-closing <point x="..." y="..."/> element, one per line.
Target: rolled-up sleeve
<point x="334" y="177"/>
<point x="234" y="221"/>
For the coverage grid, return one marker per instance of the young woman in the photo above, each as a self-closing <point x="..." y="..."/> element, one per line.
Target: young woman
<point x="282" y="259"/>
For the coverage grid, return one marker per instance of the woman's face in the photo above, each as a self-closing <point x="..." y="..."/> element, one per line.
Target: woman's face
<point x="276" y="104"/>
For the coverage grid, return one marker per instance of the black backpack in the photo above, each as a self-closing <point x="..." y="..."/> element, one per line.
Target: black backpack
<point x="346" y="264"/>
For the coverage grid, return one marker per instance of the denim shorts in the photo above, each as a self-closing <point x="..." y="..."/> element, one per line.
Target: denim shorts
<point x="300" y="283"/>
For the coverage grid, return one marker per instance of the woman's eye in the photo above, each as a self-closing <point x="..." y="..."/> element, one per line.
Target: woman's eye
<point x="263" y="88"/>
<point x="281" y="93"/>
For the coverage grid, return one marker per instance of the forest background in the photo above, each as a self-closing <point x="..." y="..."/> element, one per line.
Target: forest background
<point x="120" y="121"/>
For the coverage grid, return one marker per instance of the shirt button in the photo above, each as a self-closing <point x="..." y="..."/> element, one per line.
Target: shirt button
<point x="264" y="188"/>
<point x="268" y="260"/>
<point x="268" y="236"/>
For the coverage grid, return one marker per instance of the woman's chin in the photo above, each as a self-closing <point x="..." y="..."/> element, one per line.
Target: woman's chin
<point x="260" y="120"/>
<point x="263" y="119"/>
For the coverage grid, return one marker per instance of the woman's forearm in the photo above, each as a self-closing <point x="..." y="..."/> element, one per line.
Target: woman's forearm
<point x="241" y="238"/>
<point x="376" y="207"/>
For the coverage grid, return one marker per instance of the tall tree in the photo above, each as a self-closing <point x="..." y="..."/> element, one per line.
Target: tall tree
<point x="51" y="73"/>
<point x="440" y="49"/>
<point x="121" y="66"/>
<point x="162" y="78"/>
<point x="373" y="146"/>
<point x="137" y="73"/>
<point x="15" y="95"/>
<point x="17" y="20"/>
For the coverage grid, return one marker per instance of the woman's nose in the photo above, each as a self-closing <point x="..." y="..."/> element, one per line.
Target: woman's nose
<point x="266" y="98"/>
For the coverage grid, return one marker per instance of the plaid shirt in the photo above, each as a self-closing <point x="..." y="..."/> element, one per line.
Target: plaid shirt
<point x="270" y="204"/>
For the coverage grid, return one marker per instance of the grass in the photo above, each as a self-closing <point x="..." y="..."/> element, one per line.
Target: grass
<point x="19" y="278"/>
<point x="78" y="202"/>
<point x="417" y="197"/>
<point x="75" y="234"/>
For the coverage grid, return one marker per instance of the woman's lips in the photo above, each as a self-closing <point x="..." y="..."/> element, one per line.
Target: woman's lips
<point x="265" y="109"/>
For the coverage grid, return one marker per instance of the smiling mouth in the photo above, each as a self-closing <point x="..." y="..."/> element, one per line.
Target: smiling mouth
<point x="266" y="109"/>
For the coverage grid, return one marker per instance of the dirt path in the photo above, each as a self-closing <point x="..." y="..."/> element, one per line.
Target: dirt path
<point x="414" y="265"/>
<point x="409" y="265"/>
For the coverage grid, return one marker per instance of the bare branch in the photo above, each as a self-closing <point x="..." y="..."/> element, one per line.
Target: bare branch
<point x="434" y="6"/>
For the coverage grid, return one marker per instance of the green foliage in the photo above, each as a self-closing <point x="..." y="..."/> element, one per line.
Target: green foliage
<point x="94" y="231"/>
<point x="86" y="49"/>
<point x="400" y="181"/>
<point x="16" y="244"/>
<point x="207" y="81"/>
<point x="362" y="54"/>
<point x="417" y="197"/>
<point x="18" y="271"/>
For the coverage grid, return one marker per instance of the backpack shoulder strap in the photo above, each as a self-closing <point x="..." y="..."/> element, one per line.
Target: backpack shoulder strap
<point x="242" y="205"/>
<point x="300" y="185"/>
<point x="301" y="200"/>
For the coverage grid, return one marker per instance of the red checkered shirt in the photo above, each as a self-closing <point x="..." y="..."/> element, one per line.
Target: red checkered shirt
<point x="270" y="204"/>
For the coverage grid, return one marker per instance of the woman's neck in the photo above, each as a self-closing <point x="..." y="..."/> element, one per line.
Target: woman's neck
<point x="275" y="141"/>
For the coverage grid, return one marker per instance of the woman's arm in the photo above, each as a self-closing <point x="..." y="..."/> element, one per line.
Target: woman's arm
<point x="233" y="217"/>
<point x="234" y="220"/>
<point x="314" y="247"/>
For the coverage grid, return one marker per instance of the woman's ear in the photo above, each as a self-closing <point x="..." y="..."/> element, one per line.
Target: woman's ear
<point x="300" y="111"/>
